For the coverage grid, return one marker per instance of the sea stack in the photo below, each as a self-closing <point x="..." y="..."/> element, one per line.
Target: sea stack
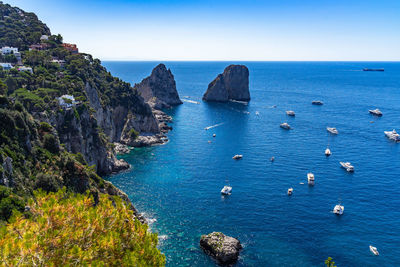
<point x="224" y="249"/>
<point x="159" y="89"/>
<point x="233" y="84"/>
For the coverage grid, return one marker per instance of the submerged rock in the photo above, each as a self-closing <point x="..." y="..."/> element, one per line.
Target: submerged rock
<point x="224" y="249"/>
<point x="233" y="84"/>
<point x="159" y="89"/>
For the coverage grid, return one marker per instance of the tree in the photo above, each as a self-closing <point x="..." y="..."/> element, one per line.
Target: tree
<point x="329" y="262"/>
<point x="71" y="229"/>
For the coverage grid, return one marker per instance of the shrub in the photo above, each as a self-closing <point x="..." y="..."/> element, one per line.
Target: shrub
<point x="44" y="126"/>
<point x="50" y="143"/>
<point x="8" y="203"/>
<point x="133" y="133"/>
<point x="47" y="182"/>
<point x="67" y="229"/>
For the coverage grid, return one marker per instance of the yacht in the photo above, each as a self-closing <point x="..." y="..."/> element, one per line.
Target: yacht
<point x="392" y="135"/>
<point x="332" y="130"/>
<point x="227" y="190"/>
<point x="374" y="250"/>
<point x="237" y="157"/>
<point x="367" y="69"/>
<point x="290" y="191"/>
<point x="285" y="126"/>
<point x="290" y="113"/>
<point x="310" y="178"/>
<point x="317" y="102"/>
<point x="347" y="166"/>
<point x="338" y="209"/>
<point x="327" y="152"/>
<point x="375" y="112"/>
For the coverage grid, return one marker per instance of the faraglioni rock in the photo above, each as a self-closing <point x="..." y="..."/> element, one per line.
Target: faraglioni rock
<point x="159" y="89"/>
<point x="224" y="249"/>
<point x="233" y="84"/>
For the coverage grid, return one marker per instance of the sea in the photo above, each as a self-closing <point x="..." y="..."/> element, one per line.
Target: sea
<point x="177" y="185"/>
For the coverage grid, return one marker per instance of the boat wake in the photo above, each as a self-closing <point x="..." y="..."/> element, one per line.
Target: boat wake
<point x="213" y="126"/>
<point x="190" y="101"/>
<point x="240" y="102"/>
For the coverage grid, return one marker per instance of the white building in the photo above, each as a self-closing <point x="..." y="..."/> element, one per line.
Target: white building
<point x="44" y="38"/>
<point x="66" y="101"/>
<point x="6" y="66"/>
<point x="23" y="68"/>
<point x="8" y="50"/>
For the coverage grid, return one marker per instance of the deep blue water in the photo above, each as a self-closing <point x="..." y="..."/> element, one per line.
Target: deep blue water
<point x="177" y="185"/>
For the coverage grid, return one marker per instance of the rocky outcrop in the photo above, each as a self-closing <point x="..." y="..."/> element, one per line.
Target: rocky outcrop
<point x="224" y="249"/>
<point x="159" y="89"/>
<point x="233" y="84"/>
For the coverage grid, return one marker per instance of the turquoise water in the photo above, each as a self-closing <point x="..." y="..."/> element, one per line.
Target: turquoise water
<point x="177" y="185"/>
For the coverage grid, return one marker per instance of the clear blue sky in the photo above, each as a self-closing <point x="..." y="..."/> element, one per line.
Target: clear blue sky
<point x="226" y="29"/>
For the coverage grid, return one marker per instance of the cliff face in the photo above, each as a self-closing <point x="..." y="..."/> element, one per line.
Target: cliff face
<point x="159" y="89"/>
<point x="232" y="84"/>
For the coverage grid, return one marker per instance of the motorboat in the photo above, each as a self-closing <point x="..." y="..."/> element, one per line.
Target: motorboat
<point x="317" y="102"/>
<point x="367" y="69"/>
<point x="227" y="190"/>
<point x="374" y="250"/>
<point x="327" y="152"/>
<point x="290" y="113"/>
<point x="290" y="191"/>
<point x="257" y="113"/>
<point x="338" y="209"/>
<point x="285" y="126"/>
<point x="347" y="166"/>
<point x="392" y="135"/>
<point x="332" y="130"/>
<point x="310" y="178"/>
<point x="214" y="135"/>
<point x="375" y="112"/>
<point x="237" y="157"/>
<point x="272" y="159"/>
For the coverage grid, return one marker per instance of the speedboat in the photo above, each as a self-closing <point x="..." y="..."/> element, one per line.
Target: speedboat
<point x="338" y="209"/>
<point x="374" y="250"/>
<point x="272" y="159"/>
<point x="285" y="126"/>
<point x="332" y="130"/>
<point x="290" y="191"/>
<point x="327" y="152"/>
<point x="317" y="102"/>
<point x="257" y="113"/>
<point x="392" y="135"/>
<point x="237" y="157"/>
<point x="214" y="135"/>
<point x="347" y="166"/>
<point x="310" y="178"/>
<point x="226" y="190"/>
<point x="290" y="113"/>
<point x="375" y="112"/>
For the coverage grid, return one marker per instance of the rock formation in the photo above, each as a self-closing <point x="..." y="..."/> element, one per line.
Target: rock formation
<point x="233" y="84"/>
<point x="159" y="89"/>
<point x="224" y="249"/>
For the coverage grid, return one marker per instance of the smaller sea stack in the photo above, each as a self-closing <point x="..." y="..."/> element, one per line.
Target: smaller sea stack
<point x="232" y="84"/>
<point x="223" y="248"/>
<point x="159" y="89"/>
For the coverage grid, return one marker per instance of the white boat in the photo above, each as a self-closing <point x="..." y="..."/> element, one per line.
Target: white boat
<point x="338" y="209"/>
<point x="257" y="113"/>
<point x="392" y="135"/>
<point x="285" y="126"/>
<point x="375" y="112"/>
<point x="237" y="157"/>
<point x="226" y="190"/>
<point x="310" y="178"/>
<point x="347" y="166"/>
<point x="374" y="250"/>
<point x="290" y="113"/>
<point x="290" y="191"/>
<point x="317" y="102"/>
<point x="332" y="130"/>
<point x="327" y="152"/>
<point x="214" y="135"/>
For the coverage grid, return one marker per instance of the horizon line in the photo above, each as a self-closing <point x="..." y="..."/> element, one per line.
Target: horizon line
<point x="233" y="60"/>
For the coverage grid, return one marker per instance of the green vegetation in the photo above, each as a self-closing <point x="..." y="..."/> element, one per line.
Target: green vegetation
<point x="133" y="133"/>
<point x="329" y="262"/>
<point x="65" y="229"/>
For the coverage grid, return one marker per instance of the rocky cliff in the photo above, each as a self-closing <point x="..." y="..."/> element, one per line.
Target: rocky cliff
<point x="159" y="89"/>
<point x="232" y="84"/>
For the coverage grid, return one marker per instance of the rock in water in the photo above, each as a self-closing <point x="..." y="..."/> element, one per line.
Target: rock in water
<point x="233" y="84"/>
<point x="159" y="89"/>
<point x="224" y="249"/>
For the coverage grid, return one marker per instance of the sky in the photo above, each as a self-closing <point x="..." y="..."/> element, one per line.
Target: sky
<point x="226" y="30"/>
